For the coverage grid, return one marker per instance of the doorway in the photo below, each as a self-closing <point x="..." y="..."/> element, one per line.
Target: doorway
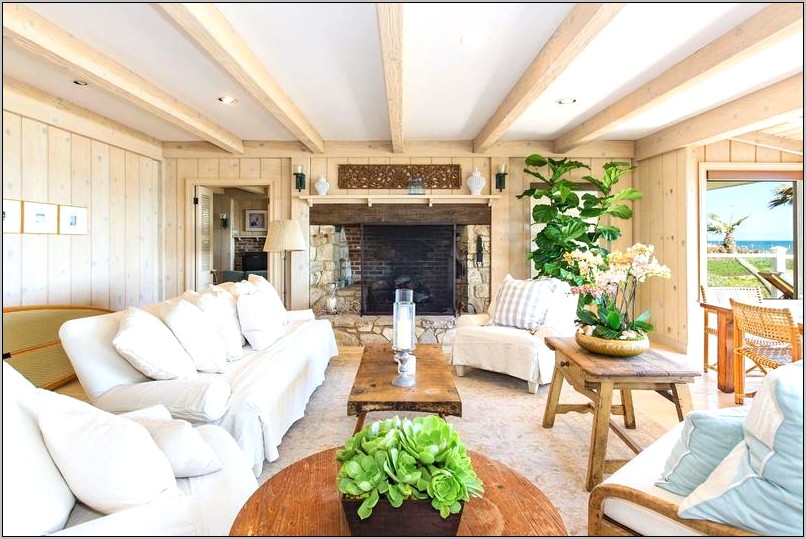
<point x="218" y="220"/>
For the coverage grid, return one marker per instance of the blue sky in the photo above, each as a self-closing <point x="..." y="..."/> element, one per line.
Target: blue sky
<point x="751" y="199"/>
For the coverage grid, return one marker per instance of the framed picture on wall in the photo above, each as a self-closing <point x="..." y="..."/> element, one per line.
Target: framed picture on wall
<point x="39" y="218"/>
<point x="72" y="220"/>
<point x="255" y="220"/>
<point x="12" y="216"/>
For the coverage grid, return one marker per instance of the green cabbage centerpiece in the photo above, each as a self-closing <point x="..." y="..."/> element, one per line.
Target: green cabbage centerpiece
<point x="401" y="459"/>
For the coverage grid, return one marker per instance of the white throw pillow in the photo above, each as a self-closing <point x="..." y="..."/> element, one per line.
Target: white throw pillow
<point x="262" y="321"/>
<point x="151" y="347"/>
<point x="262" y="285"/>
<point x="110" y="463"/>
<point x="221" y="308"/>
<point x="240" y="288"/>
<point x="36" y="498"/>
<point x="523" y="303"/>
<point x="186" y="450"/>
<point x="196" y="333"/>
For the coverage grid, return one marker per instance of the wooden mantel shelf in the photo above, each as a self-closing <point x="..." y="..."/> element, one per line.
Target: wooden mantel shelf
<point x="369" y="200"/>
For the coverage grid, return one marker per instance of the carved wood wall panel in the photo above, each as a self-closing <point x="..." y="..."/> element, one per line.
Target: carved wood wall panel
<point x="397" y="176"/>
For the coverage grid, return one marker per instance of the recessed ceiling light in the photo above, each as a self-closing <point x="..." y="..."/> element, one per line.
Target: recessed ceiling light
<point x="566" y="101"/>
<point x="79" y="82"/>
<point x="227" y="100"/>
<point x="474" y="39"/>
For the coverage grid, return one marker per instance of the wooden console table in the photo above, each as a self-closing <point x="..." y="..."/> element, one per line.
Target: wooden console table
<point x="302" y="499"/>
<point x="597" y="376"/>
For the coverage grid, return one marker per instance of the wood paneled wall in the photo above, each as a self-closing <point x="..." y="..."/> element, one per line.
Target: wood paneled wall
<point x="117" y="263"/>
<point x="668" y="217"/>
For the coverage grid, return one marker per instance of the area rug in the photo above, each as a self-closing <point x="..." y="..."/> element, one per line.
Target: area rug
<point x="499" y="419"/>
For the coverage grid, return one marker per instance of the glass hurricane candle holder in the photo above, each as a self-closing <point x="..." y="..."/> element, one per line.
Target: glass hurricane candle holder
<point x="403" y="338"/>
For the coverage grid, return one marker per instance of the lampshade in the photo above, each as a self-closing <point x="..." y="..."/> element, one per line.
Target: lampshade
<point x="284" y="235"/>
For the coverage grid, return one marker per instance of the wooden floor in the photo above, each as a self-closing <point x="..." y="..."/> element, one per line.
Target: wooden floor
<point x="704" y="393"/>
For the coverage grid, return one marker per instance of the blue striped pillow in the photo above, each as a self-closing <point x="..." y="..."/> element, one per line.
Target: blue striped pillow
<point x="523" y="303"/>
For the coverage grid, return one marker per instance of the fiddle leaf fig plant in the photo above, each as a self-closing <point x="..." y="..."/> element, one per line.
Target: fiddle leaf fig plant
<point x="402" y="459"/>
<point x="572" y="222"/>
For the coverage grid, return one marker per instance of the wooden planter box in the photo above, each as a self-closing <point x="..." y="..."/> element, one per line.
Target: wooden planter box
<point x="413" y="518"/>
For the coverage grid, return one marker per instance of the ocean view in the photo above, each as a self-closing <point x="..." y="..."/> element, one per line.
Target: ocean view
<point x="759" y="245"/>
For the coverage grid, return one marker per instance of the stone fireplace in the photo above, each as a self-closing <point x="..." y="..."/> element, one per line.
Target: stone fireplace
<point x="359" y="252"/>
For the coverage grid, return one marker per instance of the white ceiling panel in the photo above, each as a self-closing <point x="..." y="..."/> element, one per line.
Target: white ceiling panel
<point x="642" y="41"/>
<point x="138" y="36"/>
<point x="450" y="90"/>
<point x="327" y="58"/>
<point x="57" y="81"/>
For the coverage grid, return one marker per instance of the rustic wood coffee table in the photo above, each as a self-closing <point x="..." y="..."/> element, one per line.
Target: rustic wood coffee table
<point x="373" y="391"/>
<point x="597" y="376"/>
<point x="302" y="499"/>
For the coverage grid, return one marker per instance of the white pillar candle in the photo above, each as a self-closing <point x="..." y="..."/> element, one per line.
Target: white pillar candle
<point x="299" y="169"/>
<point x="403" y="334"/>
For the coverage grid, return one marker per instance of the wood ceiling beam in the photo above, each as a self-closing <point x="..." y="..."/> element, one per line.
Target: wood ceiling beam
<point x="763" y="108"/>
<point x="41" y="37"/>
<point x="765" y="29"/>
<point x="390" y="24"/>
<point x="574" y="33"/>
<point x="773" y="142"/>
<point x="208" y="27"/>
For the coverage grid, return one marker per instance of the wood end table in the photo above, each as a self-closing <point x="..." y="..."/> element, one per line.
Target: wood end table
<point x="597" y="376"/>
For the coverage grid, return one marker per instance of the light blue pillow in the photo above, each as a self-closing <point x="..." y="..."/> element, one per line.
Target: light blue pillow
<point x="759" y="485"/>
<point x="707" y="438"/>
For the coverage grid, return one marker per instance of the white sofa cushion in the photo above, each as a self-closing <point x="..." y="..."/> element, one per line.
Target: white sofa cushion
<point x="262" y="319"/>
<point x="110" y="463"/>
<point x="263" y="285"/>
<point x="523" y="303"/>
<point x="151" y="347"/>
<point x="36" y="498"/>
<point x="196" y="333"/>
<point x="187" y="452"/>
<point x="221" y="308"/>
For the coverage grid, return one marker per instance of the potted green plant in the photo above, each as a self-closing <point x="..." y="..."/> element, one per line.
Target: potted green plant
<point x="411" y="475"/>
<point x="572" y="246"/>
<point x="572" y="222"/>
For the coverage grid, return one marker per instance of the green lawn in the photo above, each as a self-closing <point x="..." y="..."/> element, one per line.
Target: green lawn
<point x="728" y="272"/>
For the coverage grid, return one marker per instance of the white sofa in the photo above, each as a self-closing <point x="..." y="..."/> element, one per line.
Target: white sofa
<point x="510" y="350"/>
<point x="256" y="398"/>
<point x="37" y="499"/>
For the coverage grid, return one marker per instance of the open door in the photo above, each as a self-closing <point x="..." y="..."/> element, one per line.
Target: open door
<point x="204" y="236"/>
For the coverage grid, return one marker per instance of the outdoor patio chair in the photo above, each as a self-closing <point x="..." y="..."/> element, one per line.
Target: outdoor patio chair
<point x="721" y="294"/>
<point x="776" y="340"/>
<point x="776" y="280"/>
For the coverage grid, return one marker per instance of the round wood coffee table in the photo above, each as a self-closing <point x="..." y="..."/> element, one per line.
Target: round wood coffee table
<point x="302" y="499"/>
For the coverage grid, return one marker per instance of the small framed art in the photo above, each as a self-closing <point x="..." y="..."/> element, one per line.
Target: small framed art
<point x="12" y="216"/>
<point x="255" y="220"/>
<point x="72" y="220"/>
<point x="39" y="218"/>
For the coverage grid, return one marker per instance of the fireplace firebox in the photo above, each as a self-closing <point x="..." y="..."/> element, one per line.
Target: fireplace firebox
<point x="421" y="258"/>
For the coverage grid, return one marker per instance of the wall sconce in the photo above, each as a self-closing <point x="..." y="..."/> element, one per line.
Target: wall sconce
<point x="224" y="220"/>
<point x="501" y="178"/>
<point x="299" y="179"/>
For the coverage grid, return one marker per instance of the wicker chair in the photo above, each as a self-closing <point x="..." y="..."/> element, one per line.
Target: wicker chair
<point x="776" y="340"/>
<point x="721" y="294"/>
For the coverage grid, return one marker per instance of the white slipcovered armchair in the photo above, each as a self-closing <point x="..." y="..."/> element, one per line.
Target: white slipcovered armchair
<point x="482" y="342"/>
